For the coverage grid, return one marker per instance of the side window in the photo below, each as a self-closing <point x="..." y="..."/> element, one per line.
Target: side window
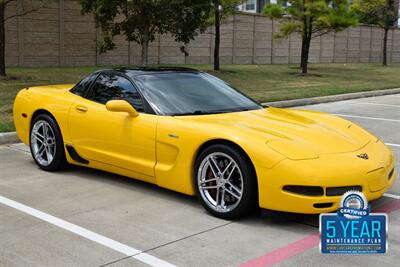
<point x="84" y="85"/>
<point x="112" y="87"/>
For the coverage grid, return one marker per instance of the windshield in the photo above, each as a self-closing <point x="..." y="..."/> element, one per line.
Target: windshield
<point x="187" y="93"/>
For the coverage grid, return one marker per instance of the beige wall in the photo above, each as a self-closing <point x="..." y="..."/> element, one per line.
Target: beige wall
<point x="58" y="35"/>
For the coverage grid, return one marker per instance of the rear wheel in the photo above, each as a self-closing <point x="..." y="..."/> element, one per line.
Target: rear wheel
<point x="47" y="146"/>
<point x="225" y="182"/>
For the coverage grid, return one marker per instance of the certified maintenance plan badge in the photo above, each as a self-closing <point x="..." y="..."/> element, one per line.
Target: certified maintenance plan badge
<point x="353" y="229"/>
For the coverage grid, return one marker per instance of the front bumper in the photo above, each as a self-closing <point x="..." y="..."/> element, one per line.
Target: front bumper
<point x="330" y="170"/>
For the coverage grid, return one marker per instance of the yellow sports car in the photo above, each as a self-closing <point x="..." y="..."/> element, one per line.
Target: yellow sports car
<point x="191" y="132"/>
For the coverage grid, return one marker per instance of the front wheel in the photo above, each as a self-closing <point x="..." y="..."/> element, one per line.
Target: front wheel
<point x="225" y="182"/>
<point x="46" y="143"/>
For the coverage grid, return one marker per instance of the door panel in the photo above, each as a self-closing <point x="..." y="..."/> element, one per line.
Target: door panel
<point x="113" y="138"/>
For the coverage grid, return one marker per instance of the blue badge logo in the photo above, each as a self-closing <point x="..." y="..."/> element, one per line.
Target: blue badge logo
<point x="353" y="229"/>
<point x="353" y="205"/>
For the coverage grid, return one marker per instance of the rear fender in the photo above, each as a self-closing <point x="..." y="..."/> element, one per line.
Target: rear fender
<point x="29" y="103"/>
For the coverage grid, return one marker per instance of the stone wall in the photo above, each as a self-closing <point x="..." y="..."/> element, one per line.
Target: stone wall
<point x="58" y="35"/>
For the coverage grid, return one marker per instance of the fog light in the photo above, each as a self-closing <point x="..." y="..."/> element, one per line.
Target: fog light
<point x="338" y="191"/>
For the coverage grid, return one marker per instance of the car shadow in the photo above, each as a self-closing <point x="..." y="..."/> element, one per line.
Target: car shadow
<point x="257" y="217"/>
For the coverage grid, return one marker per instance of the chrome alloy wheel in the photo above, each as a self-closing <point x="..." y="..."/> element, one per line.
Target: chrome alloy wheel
<point x="43" y="142"/>
<point x="220" y="182"/>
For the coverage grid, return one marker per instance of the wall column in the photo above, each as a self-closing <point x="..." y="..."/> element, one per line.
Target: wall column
<point x="21" y="41"/>
<point x="233" y="38"/>
<point x="61" y="60"/>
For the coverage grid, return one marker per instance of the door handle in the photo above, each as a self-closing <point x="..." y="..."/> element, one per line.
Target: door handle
<point x="81" y="108"/>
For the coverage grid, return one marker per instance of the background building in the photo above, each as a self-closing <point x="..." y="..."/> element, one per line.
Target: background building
<point x="256" y="6"/>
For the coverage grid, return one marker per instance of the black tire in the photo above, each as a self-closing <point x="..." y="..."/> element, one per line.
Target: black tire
<point x="59" y="161"/>
<point x="249" y="196"/>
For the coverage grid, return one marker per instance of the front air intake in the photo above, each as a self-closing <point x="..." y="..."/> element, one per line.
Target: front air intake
<point x="338" y="191"/>
<point x="304" y="190"/>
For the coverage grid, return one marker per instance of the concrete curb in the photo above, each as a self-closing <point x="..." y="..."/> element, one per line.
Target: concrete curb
<point x="330" y="98"/>
<point x="9" y="138"/>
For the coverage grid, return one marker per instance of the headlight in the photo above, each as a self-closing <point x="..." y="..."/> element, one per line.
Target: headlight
<point x="292" y="150"/>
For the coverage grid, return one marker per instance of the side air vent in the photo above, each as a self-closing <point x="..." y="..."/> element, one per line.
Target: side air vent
<point x="391" y="174"/>
<point x="75" y="156"/>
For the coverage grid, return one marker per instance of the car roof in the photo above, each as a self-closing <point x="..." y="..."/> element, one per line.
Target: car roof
<point x="135" y="71"/>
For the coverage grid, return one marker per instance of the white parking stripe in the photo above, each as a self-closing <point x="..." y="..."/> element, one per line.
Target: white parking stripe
<point x="105" y="241"/>
<point x="390" y="144"/>
<point x="391" y="195"/>
<point x="375" y="104"/>
<point x="368" y="118"/>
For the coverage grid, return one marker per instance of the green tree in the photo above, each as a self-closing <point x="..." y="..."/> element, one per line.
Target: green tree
<point x="141" y="20"/>
<point x="221" y="10"/>
<point x="311" y="19"/>
<point x="21" y="12"/>
<point x="377" y="12"/>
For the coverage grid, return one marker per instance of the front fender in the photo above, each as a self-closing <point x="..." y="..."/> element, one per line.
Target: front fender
<point x="178" y="143"/>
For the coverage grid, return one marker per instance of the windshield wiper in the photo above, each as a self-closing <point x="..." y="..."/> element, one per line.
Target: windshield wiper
<point x="196" y="112"/>
<point x="202" y="112"/>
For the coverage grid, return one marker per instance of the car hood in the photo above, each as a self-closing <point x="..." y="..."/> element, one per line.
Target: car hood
<point x="296" y="134"/>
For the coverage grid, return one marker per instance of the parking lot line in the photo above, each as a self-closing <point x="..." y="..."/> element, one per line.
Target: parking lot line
<point x="312" y="240"/>
<point x="363" y="117"/>
<point x="100" y="239"/>
<point x="391" y="196"/>
<point x="375" y="104"/>
<point x="285" y="252"/>
<point x="391" y="144"/>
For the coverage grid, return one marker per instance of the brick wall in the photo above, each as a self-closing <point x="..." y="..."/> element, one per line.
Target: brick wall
<point x="58" y="35"/>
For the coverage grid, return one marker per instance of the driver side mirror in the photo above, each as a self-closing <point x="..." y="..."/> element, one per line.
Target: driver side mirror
<point x="121" y="106"/>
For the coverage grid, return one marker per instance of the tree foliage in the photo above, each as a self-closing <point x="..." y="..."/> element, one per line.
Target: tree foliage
<point x="311" y="19"/>
<point x="141" y="20"/>
<point x="381" y="13"/>
<point x="274" y="11"/>
<point x="376" y="12"/>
